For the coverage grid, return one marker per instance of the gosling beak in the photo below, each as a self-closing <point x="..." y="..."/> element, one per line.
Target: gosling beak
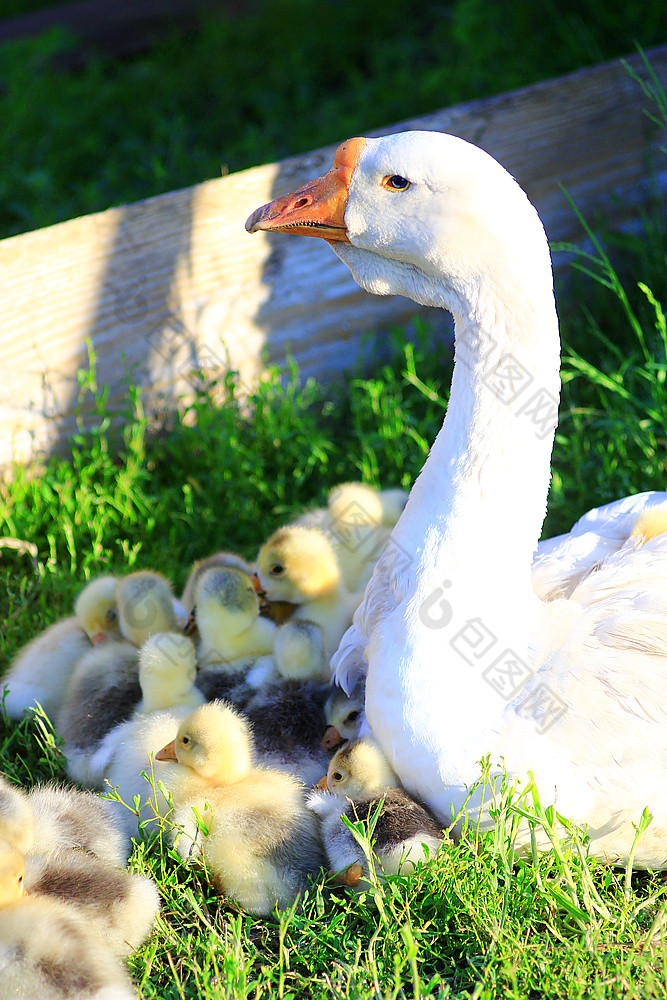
<point x="190" y="626"/>
<point x="99" y="638"/>
<point x="168" y="752"/>
<point x="317" y="208"/>
<point x="257" y="584"/>
<point x="322" y="785"/>
<point x="331" y="738"/>
<point x="350" y="876"/>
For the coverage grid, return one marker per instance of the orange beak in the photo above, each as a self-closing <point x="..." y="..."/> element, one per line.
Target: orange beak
<point x="322" y="785"/>
<point x="257" y="584"/>
<point x="99" y="638"/>
<point x="168" y="752"/>
<point x="350" y="876"/>
<point x="190" y="626"/>
<point x="331" y="738"/>
<point x="317" y="208"/>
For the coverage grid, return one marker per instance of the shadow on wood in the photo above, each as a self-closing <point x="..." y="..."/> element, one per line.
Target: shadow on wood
<point x="173" y="284"/>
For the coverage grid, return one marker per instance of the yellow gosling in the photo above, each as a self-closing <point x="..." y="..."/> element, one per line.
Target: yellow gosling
<point x="649" y="524"/>
<point x="261" y="842"/>
<point x="227" y="614"/>
<point x="299" y="565"/>
<point x="40" y="670"/>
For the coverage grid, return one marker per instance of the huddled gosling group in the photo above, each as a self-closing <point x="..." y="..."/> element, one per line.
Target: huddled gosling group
<point x="211" y="717"/>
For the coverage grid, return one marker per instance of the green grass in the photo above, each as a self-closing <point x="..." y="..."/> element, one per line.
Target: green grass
<point x="296" y="75"/>
<point x="476" y="921"/>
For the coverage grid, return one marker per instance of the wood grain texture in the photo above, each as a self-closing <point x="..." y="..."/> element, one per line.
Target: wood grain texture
<point x="172" y="284"/>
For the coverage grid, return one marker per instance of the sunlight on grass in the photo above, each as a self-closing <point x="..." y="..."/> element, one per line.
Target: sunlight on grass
<point x="481" y="919"/>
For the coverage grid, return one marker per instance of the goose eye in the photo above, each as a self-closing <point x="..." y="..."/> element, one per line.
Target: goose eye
<point x="185" y="740"/>
<point x="396" y="183"/>
<point x="337" y="776"/>
<point x="111" y="616"/>
<point x="277" y="569"/>
<point x="353" y="716"/>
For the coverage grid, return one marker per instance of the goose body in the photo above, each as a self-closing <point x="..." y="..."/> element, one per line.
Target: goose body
<point x="464" y="658"/>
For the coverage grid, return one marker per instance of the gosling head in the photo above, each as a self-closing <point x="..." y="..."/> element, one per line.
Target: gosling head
<point x="97" y="610"/>
<point x="215" y="741"/>
<point x="360" y="770"/>
<point x="343" y="713"/>
<point x="12" y="871"/>
<point x="298" y="564"/>
<point x="226" y="603"/>
<point x="17" y="820"/>
<point x="145" y="606"/>
<point x="355" y="504"/>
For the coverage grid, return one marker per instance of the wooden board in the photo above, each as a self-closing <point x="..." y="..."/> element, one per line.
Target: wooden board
<point x="174" y="283"/>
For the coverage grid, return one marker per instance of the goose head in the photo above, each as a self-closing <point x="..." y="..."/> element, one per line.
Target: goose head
<point x="97" y="610"/>
<point x="421" y="214"/>
<point x="215" y="742"/>
<point x="145" y="606"/>
<point x="298" y="564"/>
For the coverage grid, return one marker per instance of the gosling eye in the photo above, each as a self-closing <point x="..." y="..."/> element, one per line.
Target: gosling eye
<point x="185" y="740"/>
<point x="336" y="776"/>
<point x="277" y="569"/>
<point x="394" y="182"/>
<point x="352" y="716"/>
<point x="111" y="616"/>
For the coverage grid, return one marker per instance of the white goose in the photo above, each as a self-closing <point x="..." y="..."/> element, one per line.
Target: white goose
<point x="464" y="659"/>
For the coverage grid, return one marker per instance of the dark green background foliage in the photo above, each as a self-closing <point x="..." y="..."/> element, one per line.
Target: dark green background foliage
<point x="476" y="922"/>
<point x="295" y="75"/>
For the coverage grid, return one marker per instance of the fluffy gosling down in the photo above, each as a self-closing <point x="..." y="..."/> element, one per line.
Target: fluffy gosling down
<point x="299" y="565"/>
<point x="50" y="818"/>
<point x="261" y="843"/>
<point x="228" y="619"/>
<point x="73" y="848"/>
<point x="359" y="778"/>
<point x="40" y="670"/>
<point x="46" y="949"/>
<point x="118" y="906"/>
<point x="167" y="672"/>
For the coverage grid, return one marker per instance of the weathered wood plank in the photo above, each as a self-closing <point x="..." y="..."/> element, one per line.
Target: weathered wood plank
<point x="174" y="282"/>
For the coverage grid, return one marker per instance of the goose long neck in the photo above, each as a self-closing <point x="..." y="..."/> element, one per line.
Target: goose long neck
<point x="476" y="512"/>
